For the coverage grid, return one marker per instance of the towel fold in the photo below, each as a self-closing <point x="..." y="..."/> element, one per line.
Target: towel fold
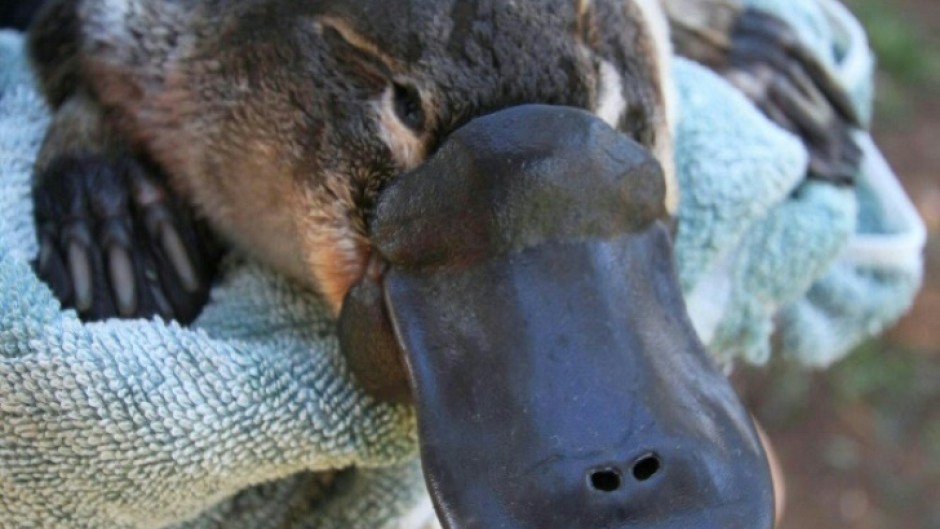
<point x="240" y="420"/>
<point x="767" y="257"/>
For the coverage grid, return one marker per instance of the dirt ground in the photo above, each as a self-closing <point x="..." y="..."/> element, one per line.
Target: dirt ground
<point x="860" y="442"/>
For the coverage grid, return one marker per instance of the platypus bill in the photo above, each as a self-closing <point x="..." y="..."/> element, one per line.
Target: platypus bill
<point x="524" y="290"/>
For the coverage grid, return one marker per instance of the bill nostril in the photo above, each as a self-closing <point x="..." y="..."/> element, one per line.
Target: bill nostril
<point x="609" y="479"/>
<point x="605" y="480"/>
<point x="646" y="467"/>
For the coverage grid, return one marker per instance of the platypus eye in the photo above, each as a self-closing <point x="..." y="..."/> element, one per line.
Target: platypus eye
<point x="408" y="106"/>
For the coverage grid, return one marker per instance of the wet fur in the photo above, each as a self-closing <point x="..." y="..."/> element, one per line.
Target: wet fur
<point x="276" y="118"/>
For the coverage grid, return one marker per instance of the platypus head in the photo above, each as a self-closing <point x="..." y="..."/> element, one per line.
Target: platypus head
<point x="283" y="119"/>
<point x="523" y="285"/>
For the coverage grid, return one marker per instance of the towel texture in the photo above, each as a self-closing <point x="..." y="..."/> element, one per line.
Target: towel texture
<point x="139" y="424"/>
<point x="767" y="257"/>
<point x="237" y="421"/>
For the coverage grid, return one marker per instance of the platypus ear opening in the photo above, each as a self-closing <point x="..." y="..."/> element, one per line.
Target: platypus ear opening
<point x="368" y="341"/>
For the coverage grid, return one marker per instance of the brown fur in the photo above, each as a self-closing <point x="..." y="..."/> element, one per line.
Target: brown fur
<point x="276" y="118"/>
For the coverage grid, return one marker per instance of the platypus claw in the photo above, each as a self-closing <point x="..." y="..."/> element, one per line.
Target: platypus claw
<point x="114" y="243"/>
<point x="765" y="59"/>
<point x="769" y="63"/>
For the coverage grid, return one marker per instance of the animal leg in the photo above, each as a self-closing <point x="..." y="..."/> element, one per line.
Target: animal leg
<point x="113" y="239"/>
<point x="764" y="58"/>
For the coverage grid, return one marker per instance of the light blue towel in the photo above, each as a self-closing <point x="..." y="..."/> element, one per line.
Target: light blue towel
<point x="138" y="424"/>
<point x="134" y="424"/>
<point x="765" y="256"/>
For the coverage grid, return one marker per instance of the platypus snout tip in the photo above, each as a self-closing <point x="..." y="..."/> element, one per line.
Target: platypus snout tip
<point x="689" y="486"/>
<point x="531" y="298"/>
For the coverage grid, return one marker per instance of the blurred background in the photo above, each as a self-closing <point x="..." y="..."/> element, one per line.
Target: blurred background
<point x="860" y="442"/>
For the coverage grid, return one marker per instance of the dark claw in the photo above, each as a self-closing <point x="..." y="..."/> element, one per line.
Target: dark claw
<point x="46" y="251"/>
<point x="781" y="79"/>
<point x="145" y="257"/>
<point x="781" y="37"/>
<point x="123" y="284"/>
<point x="175" y="250"/>
<point x="77" y="241"/>
<point x="80" y="269"/>
<point x="158" y="221"/>
<point x="51" y="267"/>
<point x="768" y="62"/>
<point x="777" y="116"/>
<point x="162" y="305"/>
<point x="764" y="58"/>
<point x="812" y="121"/>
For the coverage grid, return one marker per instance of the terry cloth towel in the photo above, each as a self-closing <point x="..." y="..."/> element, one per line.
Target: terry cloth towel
<point x="233" y="422"/>
<point x="767" y="257"/>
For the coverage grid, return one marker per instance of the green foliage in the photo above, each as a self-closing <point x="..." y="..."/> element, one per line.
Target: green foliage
<point x="908" y="58"/>
<point x="904" y="52"/>
<point x="901" y="387"/>
<point x="874" y="370"/>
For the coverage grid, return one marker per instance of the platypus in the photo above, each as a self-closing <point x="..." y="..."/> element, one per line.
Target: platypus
<point x="387" y="155"/>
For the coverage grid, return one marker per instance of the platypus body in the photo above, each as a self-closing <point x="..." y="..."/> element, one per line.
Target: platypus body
<point x="479" y="190"/>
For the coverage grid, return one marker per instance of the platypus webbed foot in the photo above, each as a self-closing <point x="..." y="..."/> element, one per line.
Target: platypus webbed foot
<point x="526" y="284"/>
<point x="113" y="241"/>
